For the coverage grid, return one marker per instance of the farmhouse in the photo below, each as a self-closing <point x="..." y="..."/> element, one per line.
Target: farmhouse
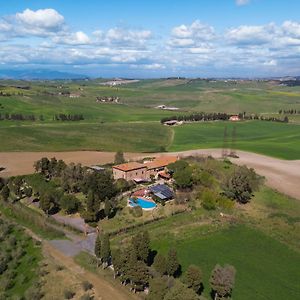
<point x="130" y="171"/>
<point x="172" y="123"/>
<point x="234" y="118"/>
<point x="159" y="164"/>
<point x="142" y="172"/>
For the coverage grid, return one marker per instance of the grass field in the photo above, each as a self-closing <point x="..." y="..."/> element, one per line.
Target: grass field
<point x="266" y="269"/>
<point x="263" y="244"/>
<point x="134" y="125"/>
<point x="269" y="138"/>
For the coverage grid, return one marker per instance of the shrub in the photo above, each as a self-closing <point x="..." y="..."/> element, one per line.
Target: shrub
<point x="136" y="211"/>
<point x="209" y="199"/>
<point x="86" y="297"/>
<point x="68" y="294"/>
<point x="86" y="285"/>
<point x="225" y="203"/>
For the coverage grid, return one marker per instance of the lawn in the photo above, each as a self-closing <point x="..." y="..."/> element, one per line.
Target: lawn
<point x="266" y="269"/>
<point x="269" y="138"/>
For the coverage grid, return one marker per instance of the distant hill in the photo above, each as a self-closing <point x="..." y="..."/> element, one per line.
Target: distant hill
<point x="41" y="74"/>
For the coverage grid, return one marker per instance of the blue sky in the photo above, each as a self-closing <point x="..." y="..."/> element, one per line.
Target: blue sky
<point x="152" y="38"/>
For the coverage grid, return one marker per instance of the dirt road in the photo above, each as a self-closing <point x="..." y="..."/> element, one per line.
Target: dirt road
<point x="282" y="175"/>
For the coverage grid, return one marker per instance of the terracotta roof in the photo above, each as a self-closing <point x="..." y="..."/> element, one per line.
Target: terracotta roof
<point x="161" y="162"/>
<point x="129" y="166"/>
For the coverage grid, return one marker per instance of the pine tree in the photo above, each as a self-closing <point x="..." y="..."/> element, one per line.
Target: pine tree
<point x="5" y="193"/>
<point x="193" y="278"/>
<point x="172" y="262"/>
<point x="107" y="208"/>
<point x="141" y="243"/>
<point x="160" y="264"/>
<point x="105" y="249"/>
<point x="97" y="248"/>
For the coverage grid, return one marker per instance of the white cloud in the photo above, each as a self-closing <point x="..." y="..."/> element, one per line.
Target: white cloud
<point x="42" y="18"/>
<point x="191" y="47"/>
<point x="242" y="2"/>
<point x="196" y="31"/>
<point x="154" y="66"/>
<point x="271" y="63"/>
<point x="76" y="38"/>
<point x="248" y="35"/>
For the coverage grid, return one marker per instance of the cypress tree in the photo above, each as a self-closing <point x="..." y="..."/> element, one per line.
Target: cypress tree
<point x="105" y="249"/>
<point x="160" y="264"/>
<point x="172" y="262"/>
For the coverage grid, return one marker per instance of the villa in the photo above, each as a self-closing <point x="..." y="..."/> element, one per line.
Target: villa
<point x="130" y="171"/>
<point x="139" y="172"/>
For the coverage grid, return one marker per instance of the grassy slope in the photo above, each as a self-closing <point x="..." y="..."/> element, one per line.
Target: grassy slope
<point x="274" y="139"/>
<point x="266" y="269"/>
<point x="131" y="137"/>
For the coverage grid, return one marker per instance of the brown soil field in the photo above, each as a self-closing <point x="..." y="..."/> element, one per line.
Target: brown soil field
<point x="281" y="175"/>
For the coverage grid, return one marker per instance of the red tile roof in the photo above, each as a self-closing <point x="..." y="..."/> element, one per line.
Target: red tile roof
<point x="161" y="162"/>
<point x="129" y="166"/>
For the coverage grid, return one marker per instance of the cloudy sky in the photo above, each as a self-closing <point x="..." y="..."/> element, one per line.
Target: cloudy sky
<point x="152" y="38"/>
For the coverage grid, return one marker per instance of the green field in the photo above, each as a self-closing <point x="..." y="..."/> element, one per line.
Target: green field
<point x="262" y="244"/>
<point x="269" y="138"/>
<point x="266" y="269"/>
<point x="133" y="125"/>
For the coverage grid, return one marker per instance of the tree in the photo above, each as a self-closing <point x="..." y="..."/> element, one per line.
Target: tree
<point x="97" y="249"/>
<point x="2" y="183"/>
<point x="119" y="158"/>
<point x="180" y="291"/>
<point x="222" y="281"/>
<point x="69" y="203"/>
<point x="160" y="264"/>
<point x="28" y="191"/>
<point x="91" y="203"/>
<point x="141" y="244"/>
<point x="193" y="278"/>
<point x="158" y="288"/>
<point x="182" y="174"/>
<point x="105" y="249"/>
<point x="46" y="202"/>
<point x="119" y="262"/>
<point x="107" y="208"/>
<point x="183" y="178"/>
<point x="172" y="262"/>
<point x="241" y="184"/>
<point x="5" y="193"/>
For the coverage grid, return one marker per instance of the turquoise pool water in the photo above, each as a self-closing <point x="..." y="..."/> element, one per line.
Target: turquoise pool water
<point x="145" y="204"/>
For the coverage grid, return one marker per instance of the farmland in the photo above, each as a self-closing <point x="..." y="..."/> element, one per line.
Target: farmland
<point x="133" y="124"/>
<point x="262" y="243"/>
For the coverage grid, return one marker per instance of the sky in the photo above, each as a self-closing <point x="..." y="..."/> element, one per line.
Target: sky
<point x="152" y="38"/>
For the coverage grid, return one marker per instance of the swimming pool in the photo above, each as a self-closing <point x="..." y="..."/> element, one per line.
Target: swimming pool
<point x="143" y="203"/>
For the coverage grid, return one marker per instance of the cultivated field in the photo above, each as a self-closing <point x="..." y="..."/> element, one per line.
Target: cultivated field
<point x="133" y="124"/>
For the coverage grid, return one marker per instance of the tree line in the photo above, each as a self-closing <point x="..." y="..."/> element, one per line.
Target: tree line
<point x="19" y="117"/>
<point x="23" y="117"/>
<point x="202" y="116"/>
<point x="143" y="269"/>
<point x="289" y="112"/>
<point x="64" y="117"/>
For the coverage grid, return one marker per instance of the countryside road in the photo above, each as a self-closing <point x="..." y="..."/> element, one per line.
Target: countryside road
<point x="281" y="175"/>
